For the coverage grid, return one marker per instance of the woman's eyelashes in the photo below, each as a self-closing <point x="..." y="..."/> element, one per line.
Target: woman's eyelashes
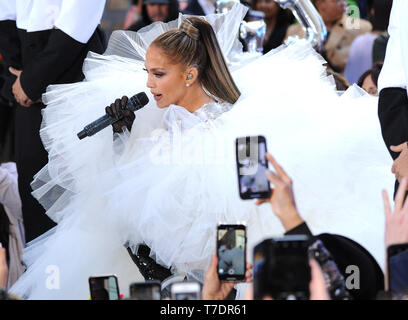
<point x="156" y="74"/>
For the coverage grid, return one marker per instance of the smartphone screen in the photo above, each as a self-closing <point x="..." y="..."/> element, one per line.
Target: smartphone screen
<point x="231" y="251"/>
<point x="186" y="291"/>
<point x="251" y="165"/>
<point x="104" y="288"/>
<point x="281" y="268"/>
<point x="396" y="271"/>
<point x="149" y="290"/>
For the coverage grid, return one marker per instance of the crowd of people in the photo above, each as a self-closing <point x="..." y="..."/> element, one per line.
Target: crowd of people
<point x="48" y="179"/>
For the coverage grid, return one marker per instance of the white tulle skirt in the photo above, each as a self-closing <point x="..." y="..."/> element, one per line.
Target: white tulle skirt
<point x="173" y="178"/>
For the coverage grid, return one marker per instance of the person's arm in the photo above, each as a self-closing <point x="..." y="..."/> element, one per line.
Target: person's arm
<point x="10" y="48"/>
<point x="75" y="25"/>
<point x="393" y="116"/>
<point x="282" y="198"/>
<point x="396" y="227"/>
<point x="396" y="221"/>
<point x="300" y="229"/>
<point x="3" y="268"/>
<point x="10" y="43"/>
<point x="398" y="267"/>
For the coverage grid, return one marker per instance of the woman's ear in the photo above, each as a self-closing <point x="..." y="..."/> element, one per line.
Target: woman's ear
<point x="191" y="76"/>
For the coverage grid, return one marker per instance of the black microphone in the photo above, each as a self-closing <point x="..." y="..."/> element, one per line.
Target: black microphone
<point x="135" y="103"/>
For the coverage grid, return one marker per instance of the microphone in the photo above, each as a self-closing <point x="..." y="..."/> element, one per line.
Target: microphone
<point x="135" y="103"/>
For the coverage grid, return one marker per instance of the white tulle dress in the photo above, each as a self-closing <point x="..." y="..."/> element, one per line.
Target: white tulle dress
<point x="173" y="178"/>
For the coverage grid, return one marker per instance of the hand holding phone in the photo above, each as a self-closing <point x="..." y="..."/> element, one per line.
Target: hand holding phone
<point x="231" y="252"/>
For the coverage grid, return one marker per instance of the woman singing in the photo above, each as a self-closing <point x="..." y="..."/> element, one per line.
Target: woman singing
<point x="169" y="176"/>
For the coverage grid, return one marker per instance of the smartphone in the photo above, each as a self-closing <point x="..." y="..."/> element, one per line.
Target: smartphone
<point x="104" y="287"/>
<point x="251" y="167"/>
<point x="190" y="290"/>
<point x="396" y="283"/>
<point x="281" y="268"/>
<point x="149" y="290"/>
<point x="231" y="252"/>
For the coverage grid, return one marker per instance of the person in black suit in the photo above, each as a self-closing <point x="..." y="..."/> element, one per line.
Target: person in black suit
<point x="392" y="85"/>
<point x="42" y="46"/>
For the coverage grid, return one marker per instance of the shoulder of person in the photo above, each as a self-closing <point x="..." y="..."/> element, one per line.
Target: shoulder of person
<point x="365" y="25"/>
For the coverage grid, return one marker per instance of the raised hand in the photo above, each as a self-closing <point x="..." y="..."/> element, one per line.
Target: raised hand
<point x="213" y="288"/>
<point x="396" y="222"/>
<point x="282" y="198"/>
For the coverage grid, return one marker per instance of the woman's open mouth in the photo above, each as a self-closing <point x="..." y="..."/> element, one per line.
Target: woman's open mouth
<point x="157" y="97"/>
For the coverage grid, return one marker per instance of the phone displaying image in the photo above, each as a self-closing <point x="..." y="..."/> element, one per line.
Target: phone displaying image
<point x="104" y="288"/>
<point x="186" y="291"/>
<point x="231" y="252"/>
<point x="281" y="268"/>
<point x="149" y="290"/>
<point x="396" y="283"/>
<point x="251" y="166"/>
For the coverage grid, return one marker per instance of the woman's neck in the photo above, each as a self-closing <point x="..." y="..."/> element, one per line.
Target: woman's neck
<point x="195" y="98"/>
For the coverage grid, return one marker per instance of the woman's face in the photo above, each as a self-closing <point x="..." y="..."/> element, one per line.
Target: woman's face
<point x="165" y="79"/>
<point x="269" y="7"/>
<point x="369" y="85"/>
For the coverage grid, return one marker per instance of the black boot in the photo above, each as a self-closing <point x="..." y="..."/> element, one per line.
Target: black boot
<point x="149" y="269"/>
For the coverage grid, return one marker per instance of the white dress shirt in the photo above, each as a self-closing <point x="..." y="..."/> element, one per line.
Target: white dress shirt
<point x="395" y="70"/>
<point x="77" y="18"/>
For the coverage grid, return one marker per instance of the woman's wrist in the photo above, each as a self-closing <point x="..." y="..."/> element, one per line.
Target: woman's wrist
<point x="291" y="220"/>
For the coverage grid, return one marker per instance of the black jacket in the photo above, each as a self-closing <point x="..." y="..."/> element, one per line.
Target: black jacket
<point x="46" y="57"/>
<point x="393" y="115"/>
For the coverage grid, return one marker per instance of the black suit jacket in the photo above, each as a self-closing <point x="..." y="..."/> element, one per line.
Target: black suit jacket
<point x="53" y="57"/>
<point x="46" y="57"/>
<point x="393" y="115"/>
